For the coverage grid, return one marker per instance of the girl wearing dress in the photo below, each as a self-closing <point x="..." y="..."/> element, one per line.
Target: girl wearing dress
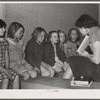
<point x="71" y="49"/>
<point x="6" y="73"/>
<point x="62" y="40"/>
<point x="17" y="62"/>
<point x="73" y="42"/>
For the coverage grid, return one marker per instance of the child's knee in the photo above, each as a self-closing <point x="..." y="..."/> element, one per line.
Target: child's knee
<point x="53" y="71"/>
<point x="26" y="75"/>
<point x="46" y="73"/>
<point x="33" y="73"/>
<point x="16" y="78"/>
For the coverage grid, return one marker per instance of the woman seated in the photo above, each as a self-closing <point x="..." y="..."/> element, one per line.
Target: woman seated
<point x="87" y="64"/>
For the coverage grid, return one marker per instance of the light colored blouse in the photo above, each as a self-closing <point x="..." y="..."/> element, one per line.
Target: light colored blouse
<point x="94" y="36"/>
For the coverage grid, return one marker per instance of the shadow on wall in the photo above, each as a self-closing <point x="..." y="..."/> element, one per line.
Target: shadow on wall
<point x="49" y="16"/>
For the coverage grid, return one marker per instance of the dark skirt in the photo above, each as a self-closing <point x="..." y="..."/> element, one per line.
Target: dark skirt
<point x="82" y="66"/>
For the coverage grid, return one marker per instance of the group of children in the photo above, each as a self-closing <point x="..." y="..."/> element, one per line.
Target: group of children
<point x="44" y="53"/>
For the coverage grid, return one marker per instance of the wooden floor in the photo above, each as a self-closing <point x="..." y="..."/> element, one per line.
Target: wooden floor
<point x="53" y="83"/>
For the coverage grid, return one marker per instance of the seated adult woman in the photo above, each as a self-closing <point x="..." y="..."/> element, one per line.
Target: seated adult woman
<point x="87" y="64"/>
<point x="34" y="52"/>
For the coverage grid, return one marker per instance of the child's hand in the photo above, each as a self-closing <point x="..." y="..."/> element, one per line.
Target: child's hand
<point x="56" y="59"/>
<point x="57" y="68"/>
<point x="60" y="62"/>
<point x="58" y="65"/>
<point x="65" y="66"/>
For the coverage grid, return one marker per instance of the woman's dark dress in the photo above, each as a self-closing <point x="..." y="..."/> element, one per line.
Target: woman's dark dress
<point x="82" y="66"/>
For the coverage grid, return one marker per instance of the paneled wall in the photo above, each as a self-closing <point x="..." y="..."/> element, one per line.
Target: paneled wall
<point x="48" y="16"/>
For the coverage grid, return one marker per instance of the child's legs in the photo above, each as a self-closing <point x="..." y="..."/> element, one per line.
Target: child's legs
<point x="68" y="72"/>
<point x="58" y="67"/>
<point x="5" y="80"/>
<point x="5" y="83"/>
<point x="65" y="66"/>
<point x="25" y="75"/>
<point x="16" y="82"/>
<point x="50" y="70"/>
<point x="44" y="71"/>
<point x="32" y="73"/>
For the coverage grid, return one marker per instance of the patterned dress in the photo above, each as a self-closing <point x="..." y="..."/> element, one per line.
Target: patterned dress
<point x="71" y="48"/>
<point x="17" y="62"/>
<point x="5" y="72"/>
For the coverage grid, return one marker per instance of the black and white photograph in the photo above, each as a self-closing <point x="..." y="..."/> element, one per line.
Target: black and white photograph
<point x="50" y="48"/>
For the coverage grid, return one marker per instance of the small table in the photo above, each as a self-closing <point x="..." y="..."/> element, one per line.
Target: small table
<point x="53" y="83"/>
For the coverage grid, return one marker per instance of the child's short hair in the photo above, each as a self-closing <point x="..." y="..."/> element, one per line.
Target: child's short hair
<point x="2" y="24"/>
<point x="60" y="31"/>
<point x="38" y="31"/>
<point x="50" y="34"/>
<point x="86" y="21"/>
<point x="78" y="34"/>
<point x="13" y="28"/>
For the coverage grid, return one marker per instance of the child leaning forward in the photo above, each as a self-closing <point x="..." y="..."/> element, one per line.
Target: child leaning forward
<point x="6" y="73"/>
<point x="17" y="61"/>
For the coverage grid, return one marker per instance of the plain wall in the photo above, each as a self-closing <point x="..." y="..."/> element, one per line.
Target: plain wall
<point x="48" y="16"/>
<point x="99" y="13"/>
<point x="2" y="11"/>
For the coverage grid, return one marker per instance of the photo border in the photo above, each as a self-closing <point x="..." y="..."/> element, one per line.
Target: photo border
<point x="63" y="94"/>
